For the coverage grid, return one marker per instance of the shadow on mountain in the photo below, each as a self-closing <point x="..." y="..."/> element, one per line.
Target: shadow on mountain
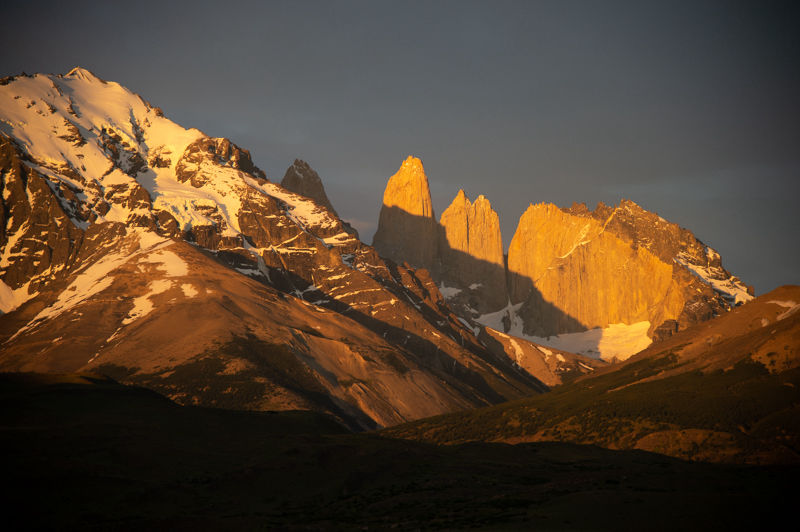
<point x="449" y="265"/>
<point x="469" y="382"/>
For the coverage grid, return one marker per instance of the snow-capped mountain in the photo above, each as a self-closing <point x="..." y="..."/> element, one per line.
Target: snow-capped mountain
<point x="162" y="256"/>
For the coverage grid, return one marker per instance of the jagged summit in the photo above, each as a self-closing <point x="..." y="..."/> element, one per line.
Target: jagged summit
<point x="471" y="251"/>
<point x="472" y="228"/>
<point x="301" y="179"/>
<point x="414" y="164"/>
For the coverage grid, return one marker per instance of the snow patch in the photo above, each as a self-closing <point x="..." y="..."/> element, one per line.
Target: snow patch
<point x="12" y="298"/>
<point x="617" y="341"/>
<point x="168" y="262"/>
<point x="189" y="290"/>
<point x="788" y="313"/>
<point x="142" y="305"/>
<point x="791" y="305"/>
<point x="495" y="320"/>
<point x="518" y="353"/>
<point x="729" y="286"/>
<point x="448" y="291"/>
<point x="544" y="350"/>
<point x="785" y="304"/>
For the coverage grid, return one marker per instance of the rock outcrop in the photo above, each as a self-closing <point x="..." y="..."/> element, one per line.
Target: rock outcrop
<point x="301" y="179"/>
<point x="471" y="254"/>
<point x="407" y="229"/>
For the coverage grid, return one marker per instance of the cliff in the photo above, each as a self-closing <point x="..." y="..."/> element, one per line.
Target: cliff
<point x="471" y="252"/>
<point x="407" y="230"/>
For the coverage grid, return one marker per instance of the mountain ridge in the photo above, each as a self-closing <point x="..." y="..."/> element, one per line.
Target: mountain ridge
<point x="121" y="227"/>
<point x="617" y="270"/>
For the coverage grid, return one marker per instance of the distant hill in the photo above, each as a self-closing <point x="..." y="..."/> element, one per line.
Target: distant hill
<point x="726" y="390"/>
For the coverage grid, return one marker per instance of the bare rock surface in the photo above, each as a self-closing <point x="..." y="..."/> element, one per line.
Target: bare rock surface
<point x="407" y="229"/>
<point x="471" y="251"/>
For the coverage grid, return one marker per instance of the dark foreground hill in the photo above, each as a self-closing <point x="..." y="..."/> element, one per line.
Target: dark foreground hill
<point x="84" y="452"/>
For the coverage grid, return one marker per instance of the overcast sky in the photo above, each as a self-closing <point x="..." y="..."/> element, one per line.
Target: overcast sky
<point x="691" y="109"/>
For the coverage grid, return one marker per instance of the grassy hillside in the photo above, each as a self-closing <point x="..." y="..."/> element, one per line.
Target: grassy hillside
<point x="735" y="415"/>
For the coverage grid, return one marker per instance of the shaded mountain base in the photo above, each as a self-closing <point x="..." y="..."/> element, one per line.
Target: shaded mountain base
<point x="92" y="454"/>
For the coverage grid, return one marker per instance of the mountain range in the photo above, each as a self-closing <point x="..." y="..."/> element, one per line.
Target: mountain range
<point x="162" y="256"/>
<point x="153" y="276"/>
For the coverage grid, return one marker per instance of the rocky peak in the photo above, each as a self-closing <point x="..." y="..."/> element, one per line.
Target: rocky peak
<point x="95" y="185"/>
<point x="407" y="229"/>
<point x="301" y="179"/>
<point x="408" y="189"/>
<point x="83" y="74"/>
<point x="473" y="228"/>
<point x="471" y="250"/>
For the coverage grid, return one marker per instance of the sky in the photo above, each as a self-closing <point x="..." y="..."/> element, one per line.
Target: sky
<point x="689" y="108"/>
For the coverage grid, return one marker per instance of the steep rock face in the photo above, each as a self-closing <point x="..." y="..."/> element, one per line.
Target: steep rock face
<point x="575" y="269"/>
<point x="407" y="229"/>
<point x="301" y="179"/>
<point x="471" y="254"/>
<point x="134" y="246"/>
<point x="544" y="233"/>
